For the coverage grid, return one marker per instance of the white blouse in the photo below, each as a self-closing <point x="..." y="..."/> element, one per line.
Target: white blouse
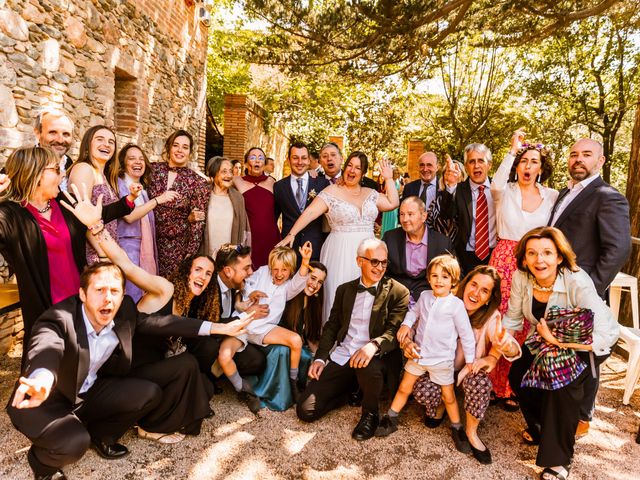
<point x="511" y="221"/>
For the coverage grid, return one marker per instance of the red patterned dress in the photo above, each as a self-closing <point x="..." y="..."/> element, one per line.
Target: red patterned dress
<point x="176" y="237"/>
<point x="260" y="205"/>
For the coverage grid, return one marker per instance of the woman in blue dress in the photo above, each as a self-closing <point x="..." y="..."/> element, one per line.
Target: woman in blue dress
<point x="303" y="315"/>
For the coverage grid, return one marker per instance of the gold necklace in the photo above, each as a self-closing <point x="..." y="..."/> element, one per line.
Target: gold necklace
<point x="540" y="288"/>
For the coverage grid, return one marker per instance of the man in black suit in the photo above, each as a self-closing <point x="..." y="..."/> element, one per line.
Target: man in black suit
<point x="426" y="187"/>
<point x="461" y="201"/>
<point x="412" y="246"/>
<point x="74" y="390"/>
<point x="54" y="129"/>
<point x="594" y="217"/>
<point x="293" y="194"/>
<point x="363" y="323"/>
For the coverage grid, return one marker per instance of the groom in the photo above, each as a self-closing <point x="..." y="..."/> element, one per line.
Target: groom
<point x="294" y="193"/>
<point x="365" y="316"/>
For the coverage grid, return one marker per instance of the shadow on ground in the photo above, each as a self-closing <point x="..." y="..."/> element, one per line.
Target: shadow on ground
<point x="237" y="445"/>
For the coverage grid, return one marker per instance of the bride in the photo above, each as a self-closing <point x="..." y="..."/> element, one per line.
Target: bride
<point x="351" y="210"/>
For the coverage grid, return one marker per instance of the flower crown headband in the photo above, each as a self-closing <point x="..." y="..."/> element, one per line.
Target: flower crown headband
<point x="540" y="147"/>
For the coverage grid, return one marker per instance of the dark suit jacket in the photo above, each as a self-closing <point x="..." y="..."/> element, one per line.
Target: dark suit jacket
<point x="459" y="207"/>
<point x="59" y="342"/>
<point x="596" y="223"/>
<point x="389" y="309"/>
<point x="286" y="205"/>
<point x="396" y="241"/>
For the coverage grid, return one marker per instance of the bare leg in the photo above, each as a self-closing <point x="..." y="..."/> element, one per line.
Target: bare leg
<point x="450" y="403"/>
<point x="283" y="336"/>
<point x="472" y="432"/>
<point x="228" y="349"/>
<point x="404" y="390"/>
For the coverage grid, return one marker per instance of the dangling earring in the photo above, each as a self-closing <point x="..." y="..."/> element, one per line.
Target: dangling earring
<point x="515" y="177"/>
<point x="539" y="177"/>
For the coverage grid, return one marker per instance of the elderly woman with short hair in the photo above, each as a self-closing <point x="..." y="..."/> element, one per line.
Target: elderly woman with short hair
<point x="227" y="220"/>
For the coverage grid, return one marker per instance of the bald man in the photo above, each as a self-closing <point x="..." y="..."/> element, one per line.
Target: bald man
<point x="594" y="217"/>
<point x="426" y="186"/>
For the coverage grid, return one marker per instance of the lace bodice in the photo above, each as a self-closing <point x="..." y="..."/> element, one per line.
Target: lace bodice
<point x="344" y="216"/>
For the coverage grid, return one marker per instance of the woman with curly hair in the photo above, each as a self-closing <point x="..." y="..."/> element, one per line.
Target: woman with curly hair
<point x="522" y="203"/>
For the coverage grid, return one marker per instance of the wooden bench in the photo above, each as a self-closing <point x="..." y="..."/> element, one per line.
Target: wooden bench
<point x="9" y="298"/>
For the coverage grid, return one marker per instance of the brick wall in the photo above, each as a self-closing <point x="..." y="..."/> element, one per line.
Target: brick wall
<point x="414" y="149"/>
<point x="245" y="126"/>
<point x="138" y="65"/>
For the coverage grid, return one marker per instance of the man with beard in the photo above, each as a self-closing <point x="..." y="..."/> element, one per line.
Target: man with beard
<point x="594" y="217"/>
<point x="54" y="129"/>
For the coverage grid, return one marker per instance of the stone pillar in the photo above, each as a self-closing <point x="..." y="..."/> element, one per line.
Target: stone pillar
<point x="236" y="122"/>
<point x="414" y="149"/>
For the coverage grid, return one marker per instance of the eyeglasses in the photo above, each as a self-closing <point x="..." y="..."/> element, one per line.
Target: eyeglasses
<point x="255" y="157"/>
<point x="56" y="169"/>
<point x="376" y="263"/>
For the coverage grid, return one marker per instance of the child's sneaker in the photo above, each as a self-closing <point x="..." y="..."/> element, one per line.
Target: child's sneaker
<point x="387" y="426"/>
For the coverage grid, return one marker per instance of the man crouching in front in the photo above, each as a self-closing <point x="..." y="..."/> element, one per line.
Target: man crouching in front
<point x="74" y="391"/>
<point x="364" y="319"/>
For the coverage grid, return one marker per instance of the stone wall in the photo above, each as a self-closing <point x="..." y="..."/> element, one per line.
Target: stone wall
<point x="136" y="65"/>
<point x="246" y="126"/>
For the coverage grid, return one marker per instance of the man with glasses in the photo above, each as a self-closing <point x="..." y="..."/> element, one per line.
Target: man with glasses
<point x="365" y="316"/>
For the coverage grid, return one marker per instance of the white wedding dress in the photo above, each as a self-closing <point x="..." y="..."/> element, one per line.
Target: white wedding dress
<point x="349" y="226"/>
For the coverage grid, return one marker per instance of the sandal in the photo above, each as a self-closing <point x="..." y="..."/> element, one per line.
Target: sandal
<point x="511" y="404"/>
<point x="551" y="474"/>
<point x="166" y="438"/>
<point x="530" y="437"/>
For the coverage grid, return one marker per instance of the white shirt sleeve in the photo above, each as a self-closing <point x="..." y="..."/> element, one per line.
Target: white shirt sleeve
<point x="295" y="285"/>
<point x="465" y="332"/>
<point x="500" y="179"/>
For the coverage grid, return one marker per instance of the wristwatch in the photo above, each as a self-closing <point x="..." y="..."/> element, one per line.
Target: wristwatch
<point x="377" y="344"/>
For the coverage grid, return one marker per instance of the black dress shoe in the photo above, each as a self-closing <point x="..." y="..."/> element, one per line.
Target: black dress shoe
<point x="387" y="426"/>
<point x="366" y="427"/>
<point x="460" y="440"/>
<point x="295" y="390"/>
<point x="248" y="396"/>
<point x="110" y="452"/>
<point x="355" y="398"/>
<point x="483" y="456"/>
<point x="432" y="422"/>
<point x="59" y="475"/>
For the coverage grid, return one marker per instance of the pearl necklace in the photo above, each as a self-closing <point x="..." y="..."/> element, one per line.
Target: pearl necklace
<point x="45" y="209"/>
<point x="540" y="288"/>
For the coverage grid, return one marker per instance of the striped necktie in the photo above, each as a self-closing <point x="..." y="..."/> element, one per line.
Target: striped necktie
<point x="482" y="224"/>
<point x="300" y="195"/>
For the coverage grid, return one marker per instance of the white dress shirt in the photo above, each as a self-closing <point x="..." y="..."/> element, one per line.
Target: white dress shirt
<point x="294" y="184"/>
<point x="277" y="297"/>
<point x="431" y="192"/>
<point x="358" y="333"/>
<point x="512" y="222"/>
<point x="441" y="320"/>
<point x="101" y="346"/>
<point x="574" y="190"/>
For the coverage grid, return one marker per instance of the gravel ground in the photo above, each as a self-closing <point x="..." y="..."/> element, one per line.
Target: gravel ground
<point x="237" y="445"/>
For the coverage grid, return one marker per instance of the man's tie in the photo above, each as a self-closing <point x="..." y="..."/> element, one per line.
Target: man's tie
<point x="556" y="205"/>
<point x="482" y="225"/>
<point x="300" y="195"/>
<point x="362" y="288"/>
<point x="423" y="195"/>
<point x="333" y="180"/>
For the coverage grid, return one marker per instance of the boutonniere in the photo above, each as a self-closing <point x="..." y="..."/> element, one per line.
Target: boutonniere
<point x="312" y="194"/>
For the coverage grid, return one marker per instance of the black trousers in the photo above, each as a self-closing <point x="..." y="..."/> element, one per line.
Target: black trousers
<point x="336" y="381"/>
<point x="469" y="261"/>
<point x="554" y="413"/>
<point x="185" y="397"/>
<point x="61" y="432"/>
<point x="251" y="361"/>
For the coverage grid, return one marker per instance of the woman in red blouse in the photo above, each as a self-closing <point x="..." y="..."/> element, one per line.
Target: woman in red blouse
<point x="179" y="223"/>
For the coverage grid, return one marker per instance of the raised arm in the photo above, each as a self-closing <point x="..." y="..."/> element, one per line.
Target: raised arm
<point x="158" y="290"/>
<point x="390" y="200"/>
<point x="500" y="179"/>
<point x="142" y="210"/>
